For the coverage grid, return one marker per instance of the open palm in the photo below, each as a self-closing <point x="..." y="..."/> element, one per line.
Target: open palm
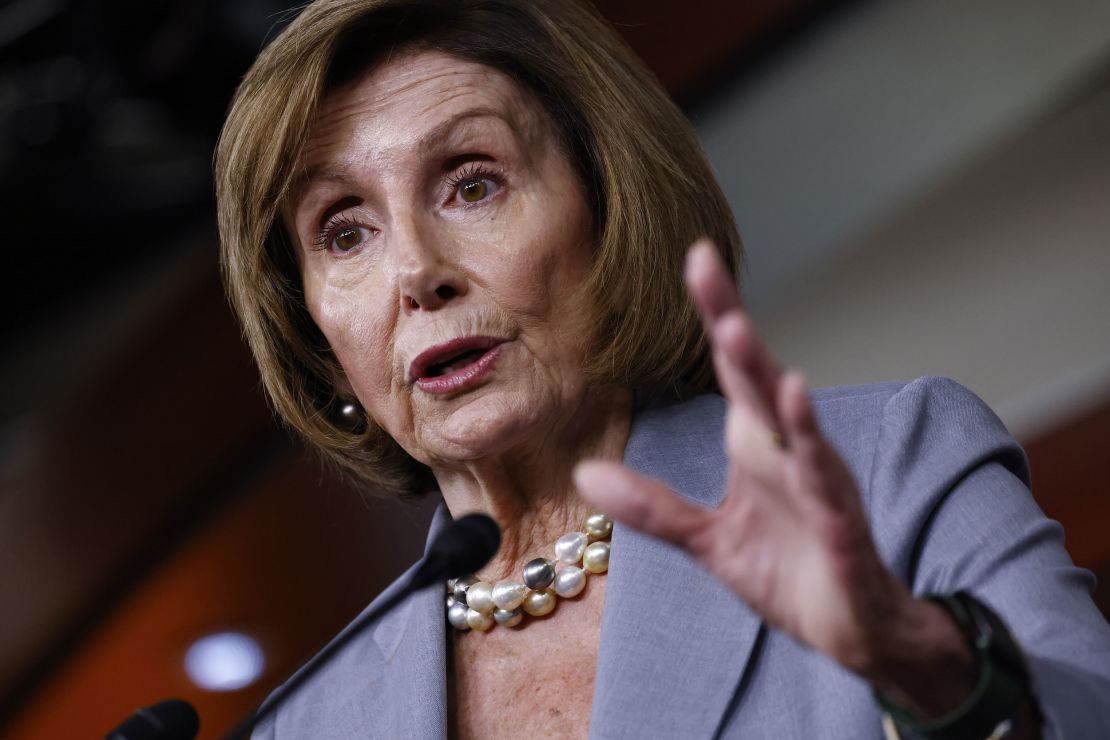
<point x="790" y="537"/>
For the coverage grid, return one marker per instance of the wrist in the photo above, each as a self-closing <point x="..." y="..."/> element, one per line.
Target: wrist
<point x="921" y="660"/>
<point x="998" y="705"/>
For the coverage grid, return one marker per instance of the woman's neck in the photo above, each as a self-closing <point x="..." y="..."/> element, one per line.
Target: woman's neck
<point x="528" y="491"/>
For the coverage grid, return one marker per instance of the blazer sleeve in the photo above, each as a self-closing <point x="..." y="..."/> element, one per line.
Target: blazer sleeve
<point x="951" y="508"/>
<point x="264" y="730"/>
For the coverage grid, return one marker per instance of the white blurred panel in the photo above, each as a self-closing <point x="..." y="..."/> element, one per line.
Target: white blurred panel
<point x="998" y="277"/>
<point x="878" y="105"/>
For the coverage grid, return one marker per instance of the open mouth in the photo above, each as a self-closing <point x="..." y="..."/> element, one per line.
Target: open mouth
<point x="454" y="365"/>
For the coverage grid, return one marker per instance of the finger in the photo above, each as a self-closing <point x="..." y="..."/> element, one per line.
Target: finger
<point x="709" y="282"/>
<point x="817" y="471"/>
<point x="642" y="503"/>
<point x="796" y="414"/>
<point x="744" y="367"/>
<point x="728" y="328"/>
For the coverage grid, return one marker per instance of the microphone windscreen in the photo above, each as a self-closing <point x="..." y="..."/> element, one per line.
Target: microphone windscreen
<point x="462" y="548"/>
<point x="172" y="719"/>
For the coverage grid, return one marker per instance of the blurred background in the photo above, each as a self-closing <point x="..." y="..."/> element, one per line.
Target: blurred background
<point x="923" y="188"/>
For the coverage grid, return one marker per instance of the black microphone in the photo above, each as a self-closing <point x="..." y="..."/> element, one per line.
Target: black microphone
<point x="460" y="549"/>
<point x="172" y="719"/>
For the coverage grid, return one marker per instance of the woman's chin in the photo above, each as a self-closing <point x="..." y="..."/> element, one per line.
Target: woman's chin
<point x="484" y="427"/>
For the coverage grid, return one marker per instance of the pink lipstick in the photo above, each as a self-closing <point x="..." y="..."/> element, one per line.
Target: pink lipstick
<point x="455" y="365"/>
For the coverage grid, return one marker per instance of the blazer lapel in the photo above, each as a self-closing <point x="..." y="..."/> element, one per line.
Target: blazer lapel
<point x="409" y="690"/>
<point x="658" y="676"/>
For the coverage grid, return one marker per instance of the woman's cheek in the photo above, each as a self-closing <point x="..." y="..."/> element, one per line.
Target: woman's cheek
<point x="357" y="338"/>
<point x="363" y="346"/>
<point x="331" y="316"/>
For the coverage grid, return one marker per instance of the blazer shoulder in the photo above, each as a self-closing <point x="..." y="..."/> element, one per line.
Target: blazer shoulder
<point x="931" y="415"/>
<point x="871" y="426"/>
<point x="682" y="442"/>
<point x="847" y="406"/>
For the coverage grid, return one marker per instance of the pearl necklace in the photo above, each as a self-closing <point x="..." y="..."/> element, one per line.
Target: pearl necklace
<point x="478" y="605"/>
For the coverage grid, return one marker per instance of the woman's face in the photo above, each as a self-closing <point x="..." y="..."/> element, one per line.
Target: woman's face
<point x="443" y="237"/>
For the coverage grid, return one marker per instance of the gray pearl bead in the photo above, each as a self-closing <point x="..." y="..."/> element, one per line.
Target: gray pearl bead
<point x="456" y="615"/>
<point x="539" y="574"/>
<point x="508" y="618"/>
<point x="461" y="585"/>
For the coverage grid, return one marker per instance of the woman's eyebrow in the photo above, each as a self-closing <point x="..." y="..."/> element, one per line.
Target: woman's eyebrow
<point x="322" y="172"/>
<point x="443" y="130"/>
<point x="340" y="173"/>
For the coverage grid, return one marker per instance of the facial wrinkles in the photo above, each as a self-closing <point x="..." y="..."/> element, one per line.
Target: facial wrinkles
<point x="492" y="231"/>
<point x="392" y="176"/>
<point x="401" y="94"/>
<point x="342" y="129"/>
<point x="377" y="120"/>
<point x="373" y="137"/>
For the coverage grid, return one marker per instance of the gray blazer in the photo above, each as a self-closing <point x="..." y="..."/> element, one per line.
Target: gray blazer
<point x="946" y="490"/>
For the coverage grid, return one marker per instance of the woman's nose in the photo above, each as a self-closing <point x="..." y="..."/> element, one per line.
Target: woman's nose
<point x="427" y="298"/>
<point x="427" y="282"/>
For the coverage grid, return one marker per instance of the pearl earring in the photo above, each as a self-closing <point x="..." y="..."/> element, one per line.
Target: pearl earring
<point x="353" y="415"/>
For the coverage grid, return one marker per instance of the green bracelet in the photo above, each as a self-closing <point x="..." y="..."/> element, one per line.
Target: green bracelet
<point x="1003" y="679"/>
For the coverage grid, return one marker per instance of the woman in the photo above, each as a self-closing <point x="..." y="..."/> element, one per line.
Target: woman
<point x="453" y="232"/>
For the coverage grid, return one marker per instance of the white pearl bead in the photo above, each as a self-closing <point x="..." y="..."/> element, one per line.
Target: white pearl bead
<point x="570" y="547"/>
<point x="538" y="603"/>
<point x="570" y="581"/>
<point x="456" y="615"/>
<point x="479" y="621"/>
<point x="509" y="594"/>
<point x="479" y="597"/>
<point x="507" y="618"/>
<point x="596" y="559"/>
<point x="598" y="526"/>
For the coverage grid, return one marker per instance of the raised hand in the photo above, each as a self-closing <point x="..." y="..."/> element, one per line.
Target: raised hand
<point x="790" y="537"/>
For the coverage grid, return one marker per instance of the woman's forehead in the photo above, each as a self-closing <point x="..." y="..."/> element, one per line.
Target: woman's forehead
<point x="412" y="98"/>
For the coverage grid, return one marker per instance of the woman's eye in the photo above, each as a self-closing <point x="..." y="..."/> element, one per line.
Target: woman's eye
<point x="349" y="237"/>
<point x="474" y="184"/>
<point x="473" y="191"/>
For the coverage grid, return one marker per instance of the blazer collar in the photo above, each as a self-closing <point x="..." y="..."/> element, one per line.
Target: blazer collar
<point x="653" y="670"/>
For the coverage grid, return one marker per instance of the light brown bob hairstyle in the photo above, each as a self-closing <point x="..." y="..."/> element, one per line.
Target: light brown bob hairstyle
<point x="650" y="190"/>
